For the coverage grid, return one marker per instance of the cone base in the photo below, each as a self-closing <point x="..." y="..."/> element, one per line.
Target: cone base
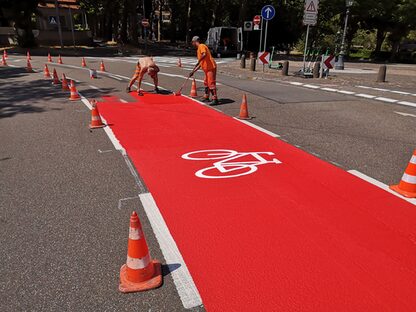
<point x="97" y="127"/>
<point x="244" y="118"/>
<point x="397" y="189"/>
<point x="154" y="282"/>
<point x="75" y="99"/>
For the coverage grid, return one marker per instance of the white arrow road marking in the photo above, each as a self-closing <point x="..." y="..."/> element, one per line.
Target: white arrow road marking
<point x="406" y="114"/>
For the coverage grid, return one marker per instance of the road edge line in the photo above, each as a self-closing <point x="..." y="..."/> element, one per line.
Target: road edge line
<point x="182" y="278"/>
<point x="379" y="185"/>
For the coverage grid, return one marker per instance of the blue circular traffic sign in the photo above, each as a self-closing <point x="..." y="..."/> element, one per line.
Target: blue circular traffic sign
<point x="268" y="12"/>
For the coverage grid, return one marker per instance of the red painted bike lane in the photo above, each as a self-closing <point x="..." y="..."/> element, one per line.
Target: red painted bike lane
<point x="262" y="225"/>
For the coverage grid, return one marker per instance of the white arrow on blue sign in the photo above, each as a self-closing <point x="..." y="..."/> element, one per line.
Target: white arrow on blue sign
<point x="268" y="12"/>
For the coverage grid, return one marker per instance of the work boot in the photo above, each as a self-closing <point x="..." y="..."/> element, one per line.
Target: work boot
<point x="206" y="99"/>
<point x="214" y="102"/>
<point x="128" y="90"/>
<point x="140" y="93"/>
<point x="157" y="90"/>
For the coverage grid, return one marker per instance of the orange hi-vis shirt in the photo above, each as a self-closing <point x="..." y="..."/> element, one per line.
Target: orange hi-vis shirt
<point x="208" y="63"/>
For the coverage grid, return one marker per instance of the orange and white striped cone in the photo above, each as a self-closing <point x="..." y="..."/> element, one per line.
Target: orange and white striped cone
<point x="194" y="92"/>
<point x="140" y="272"/>
<point x="50" y="58"/>
<point x="244" y="109"/>
<point x="60" y="59"/>
<point x="407" y="186"/>
<point x="65" y="86"/>
<point x="74" y="93"/>
<point x="3" y="61"/>
<point x="46" y="72"/>
<point x="28" y="56"/>
<point x="96" y="121"/>
<point x="55" y="78"/>
<point x="29" y="68"/>
<point x="83" y="63"/>
<point x="179" y="62"/>
<point x="102" y="67"/>
<point x="5" y="54"/>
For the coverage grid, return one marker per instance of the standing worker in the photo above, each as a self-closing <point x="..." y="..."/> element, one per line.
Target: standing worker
<point x="144" y="65"/>
<point x="208" y="65"/>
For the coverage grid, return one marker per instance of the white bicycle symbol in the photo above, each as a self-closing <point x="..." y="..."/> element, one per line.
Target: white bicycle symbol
<point x="228" y="165"/>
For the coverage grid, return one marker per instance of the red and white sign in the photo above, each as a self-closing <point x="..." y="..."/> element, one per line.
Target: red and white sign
<point x="257" y="20"/>
<point x="145" y="22"/>
<point x="264" y="57"/>
<point x="328" y="62"/>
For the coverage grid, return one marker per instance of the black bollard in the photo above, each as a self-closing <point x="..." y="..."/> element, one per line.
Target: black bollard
<point x="252" y="62"/>
<point x="382" y="72"/>
<point x="243" y="61"/>
<point x="316" y="70"/>
<point x="285" y="68"/>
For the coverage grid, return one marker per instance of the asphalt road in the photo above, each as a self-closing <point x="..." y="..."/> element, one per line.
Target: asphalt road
<point x="63" y="235"/>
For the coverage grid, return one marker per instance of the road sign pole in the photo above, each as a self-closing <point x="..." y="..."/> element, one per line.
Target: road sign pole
<point x="265" y="36"/>
<point x="306" y="48"/>
<point x="58" y="20"/>
<point x="261" y="34"/>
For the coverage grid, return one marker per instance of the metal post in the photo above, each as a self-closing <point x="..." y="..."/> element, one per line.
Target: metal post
<point x="265" y="36"/>
<point x="58" y="20"/>
<point x="261" y="34"/>
<point x="72" y="28"/>
<point x="145" y="29"/>
<point x="306" y="48"/>
<point x="340" y="64"/>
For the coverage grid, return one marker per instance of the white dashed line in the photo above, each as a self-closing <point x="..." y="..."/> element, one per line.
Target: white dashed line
<point x="406" y="114"/>
<point x="311" y="86"/>
<point x="346" y="92"/>
<point x="412" y="104"/>
<point x="367" y="96"/>
<point x="329" y="89"/>
<point x="383" y="99"/>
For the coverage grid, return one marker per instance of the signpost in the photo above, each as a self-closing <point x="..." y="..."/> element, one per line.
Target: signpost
<point x="248" y="26"/>
<point x="264" y="57"/>
<point x="310" y="18"/>
<point x="267" y="12"/>
<point x="328" y="62"/>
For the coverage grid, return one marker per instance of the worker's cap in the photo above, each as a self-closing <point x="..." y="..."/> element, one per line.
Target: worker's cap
<point x="196" y="38"/>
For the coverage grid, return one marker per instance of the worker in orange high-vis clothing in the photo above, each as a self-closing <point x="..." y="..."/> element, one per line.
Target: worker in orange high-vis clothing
<point x="144" y="65"/>
<point x="207" y="64"/>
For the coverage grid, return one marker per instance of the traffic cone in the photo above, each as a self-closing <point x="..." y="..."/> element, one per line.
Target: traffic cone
<point x="5" y="54"/>
<point x="46" y="72"/>
<point x="140" y="271"/>
<point x="96" y="121"/>
<point x="55" y="77"/>
<point x="93" y="74"/>
<point x="29" y="58"/>
<point x="179" y="62"/>
<point x="244" y="109"/>
<point x="74" y="93"/>
<point x="102" y="67"/>
<point x="65" y="86"/>
<point x="3" y="61"/>
<point x="83" y="63"/>
<point x="60" y="60"/>
<point x="407" y="186"/>
<point x="194" y="93"/>
<point x="29" y="68"/>
<point x="50" y="58"/>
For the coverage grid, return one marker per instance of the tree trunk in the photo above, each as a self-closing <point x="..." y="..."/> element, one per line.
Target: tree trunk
<point x="188" y="23"/>
<point x="124" y="18"/>
<point x="381" y="35"/>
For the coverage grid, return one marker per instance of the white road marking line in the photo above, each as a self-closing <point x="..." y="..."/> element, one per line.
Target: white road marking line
<point x="401" y="92"/>
<point x="120" y="201"/>
<point x="182" y="278"/>
<point x="380" y="185"/>
<point x="77" y="81"/>
<point x="103" y="152"/>
<point x="412" y="104"/>
<point x="11" y="65"/>
<point x="386" y="90"/>
<point x="258" y="128"/>
<point x="346" y="92"/>
<point x="311" y="86"/>
<point x="296" y="83"/>
<point x="85" y="101"/>
<point x="329" y="89"/>
<point x="383" y="99"/>
<point x="406" y="114"/>
<point x="123" y="101"/>
<point x="94" y="87"/>
<point x="367" y="96"/>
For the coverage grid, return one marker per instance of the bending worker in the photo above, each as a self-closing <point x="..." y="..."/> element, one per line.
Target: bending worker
<point x="208" y="65"/>
<point x="144" y="65"/>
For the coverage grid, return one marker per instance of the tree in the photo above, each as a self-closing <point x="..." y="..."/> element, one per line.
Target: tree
<point x="22" y="13"/>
